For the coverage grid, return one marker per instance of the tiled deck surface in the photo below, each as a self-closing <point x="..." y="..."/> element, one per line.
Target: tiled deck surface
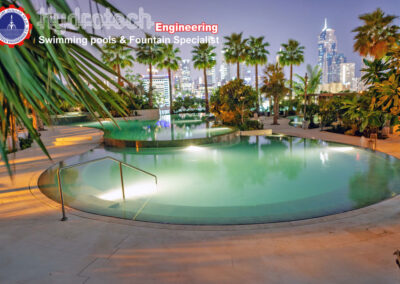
<point x="35" y="247"/>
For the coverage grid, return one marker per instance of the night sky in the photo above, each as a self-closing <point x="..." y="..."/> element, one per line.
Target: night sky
<point x="276" y="20"/>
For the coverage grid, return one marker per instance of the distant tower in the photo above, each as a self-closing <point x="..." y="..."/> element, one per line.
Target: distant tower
<point x="329" y="59"/>
<point x="11" y="25"/>
<point x="224" y="70"/>
<point x="186" y="78"/>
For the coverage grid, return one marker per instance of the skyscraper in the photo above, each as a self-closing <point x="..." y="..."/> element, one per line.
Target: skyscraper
<point x="211" y="76"/>
<point x="347" y="73"/>
<point x="329" y="59"/>
<point x="160" y="86"/>
<point x="185" y="79"/>
<point x="224" y="70"/>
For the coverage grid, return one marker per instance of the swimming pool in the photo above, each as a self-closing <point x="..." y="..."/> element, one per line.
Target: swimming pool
<point x="175" y="130"/>
<point x="256" y="180"/>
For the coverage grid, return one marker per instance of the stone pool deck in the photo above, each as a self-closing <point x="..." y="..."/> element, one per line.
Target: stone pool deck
<point x="35" y="247"/>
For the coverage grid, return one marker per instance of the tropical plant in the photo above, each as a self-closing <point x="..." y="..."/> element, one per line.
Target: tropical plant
<point x="188" y="104"/>
<point x="36" y="76"/>
<point x="389" y="95"/>
<point x="170" y="61"/>
<point x="376" y="35"/>
<point x="314" y="75"/>
<point x="233" y="102"/>
<point x="291" y="54"/>
<point x="312" y="109"/>
<point x="274" y="86"/>
<point x="116" y="54"/>
<point x="389" y="89"/>
<point x="204" y="58"/>
<point x="374" y="71"/>
<point x="235" y="50"/>
<point x="257" y="55"/>
<point x="361" y="115"/>
<point x="149" y="52"/>
<point x="327" y="111"/>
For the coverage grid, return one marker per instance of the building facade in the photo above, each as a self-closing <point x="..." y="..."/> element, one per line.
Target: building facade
<point x="160" y="89"/>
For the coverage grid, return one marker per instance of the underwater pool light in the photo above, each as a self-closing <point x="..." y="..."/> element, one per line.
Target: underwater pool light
<point x="194" y="149"/>
<point x="139" y="189"/>
<point x="341" y="149"/>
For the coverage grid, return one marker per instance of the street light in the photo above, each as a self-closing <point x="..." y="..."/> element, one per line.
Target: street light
<point x="305" y="101"/>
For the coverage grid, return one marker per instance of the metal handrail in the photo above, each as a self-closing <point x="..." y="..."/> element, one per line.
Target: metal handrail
<point x="64" y="217"/>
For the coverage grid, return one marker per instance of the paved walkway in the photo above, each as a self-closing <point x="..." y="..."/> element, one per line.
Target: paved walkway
<point x="35" y="247"/>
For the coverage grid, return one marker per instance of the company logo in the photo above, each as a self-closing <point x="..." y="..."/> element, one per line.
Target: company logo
<point x="14" y="26"/>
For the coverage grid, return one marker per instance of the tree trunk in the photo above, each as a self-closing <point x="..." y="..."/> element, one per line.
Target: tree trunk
<point x="291" y="88"/>
<point x="34" y="120"/>
<point x="14" y="133"/>
<point x="258" y="95"/>
<point x="150" y="85"/>
<point x="276" y="111"/>
<point x="270" y="106"/>
<point x="170" y="91"/>
<point x="172" y="130"/>
<point x="206" y="90"/>
<point x="238" y="69"/>
<point x="119" y="73"/>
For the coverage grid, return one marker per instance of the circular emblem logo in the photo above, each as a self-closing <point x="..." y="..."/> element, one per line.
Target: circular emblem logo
<point x="14" y="26"/>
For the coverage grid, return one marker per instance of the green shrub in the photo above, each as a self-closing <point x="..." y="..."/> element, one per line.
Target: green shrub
<point x="25" y="143"/>
<point x="251" y="125"/>
<point x="188" y="104"/>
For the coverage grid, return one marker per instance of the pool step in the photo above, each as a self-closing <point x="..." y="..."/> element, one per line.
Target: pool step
<point x="65" y="141"/>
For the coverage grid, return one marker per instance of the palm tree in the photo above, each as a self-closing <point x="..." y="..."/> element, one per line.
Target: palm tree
<point x="274" y="86"/>
<point x="292" y="54"/>
<point x="376" y="35"/>
<point x="374" y="71"/>
<point x="117" y="56"/>
<point x="170" y="61"/>
<point x="204" y="58"/>
<point x="257" y="55"/>
<point x="47" y="73"/>
<point x="235" y="49"/>
<point x="149" y="52"/>
<point x="313" y="82"/>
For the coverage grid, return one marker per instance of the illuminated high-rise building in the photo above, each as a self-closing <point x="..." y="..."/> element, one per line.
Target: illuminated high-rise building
<point x="224" y="70"/>
<point x="160" y="86"/>
<point x="329" y="59"/>
<point x="185" y="79"/>
<point x="347" y="73"/>
<point x="211" y="76"/>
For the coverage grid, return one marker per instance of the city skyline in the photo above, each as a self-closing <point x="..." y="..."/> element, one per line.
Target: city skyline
<point x="334" y="66"/>
<point x="303" y="21"/>
<point x="300" y="20"/>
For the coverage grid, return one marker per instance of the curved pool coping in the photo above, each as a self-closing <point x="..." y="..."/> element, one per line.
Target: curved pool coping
<point x="34" y="183"/>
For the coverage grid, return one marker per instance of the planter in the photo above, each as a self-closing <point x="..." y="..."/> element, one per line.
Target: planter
<point x="147" y="114"/>
<point x="70" y="118"/>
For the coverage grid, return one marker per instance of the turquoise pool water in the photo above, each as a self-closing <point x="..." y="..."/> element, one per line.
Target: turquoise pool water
<point x="167" y="128"/>
<point x="257" y="180"/>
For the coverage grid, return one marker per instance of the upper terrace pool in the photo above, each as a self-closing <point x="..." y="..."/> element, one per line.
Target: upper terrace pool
<point x="175" y="130"/>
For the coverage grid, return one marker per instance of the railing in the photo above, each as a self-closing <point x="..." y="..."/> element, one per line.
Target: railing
<point x="64" y="217"/>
